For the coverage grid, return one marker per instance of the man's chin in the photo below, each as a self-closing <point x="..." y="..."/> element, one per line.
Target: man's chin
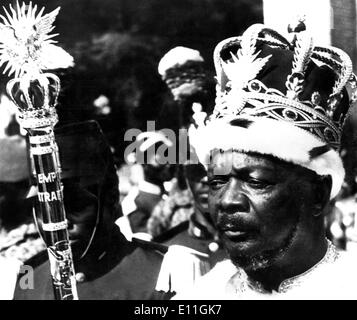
<point x="251" y="263"/>
<point x="244" y="246"/>
<point x="249" y="255"/>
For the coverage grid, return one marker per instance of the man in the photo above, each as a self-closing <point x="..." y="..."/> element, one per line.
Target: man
<point x="140" y="202"/>
<point x="198" y="232"/>
<point x="19" y="239"/>
<point x="271" y="148"/>
<point x="107" y="266"/>
<point x="183" y="70"/>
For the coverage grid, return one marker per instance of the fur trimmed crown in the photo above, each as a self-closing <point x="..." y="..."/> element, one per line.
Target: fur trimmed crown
<point x="286" y="99"/>
<point x="311" y="94"/>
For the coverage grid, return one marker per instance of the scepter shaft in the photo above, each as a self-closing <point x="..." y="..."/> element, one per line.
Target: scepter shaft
<point x="44" y="153"/>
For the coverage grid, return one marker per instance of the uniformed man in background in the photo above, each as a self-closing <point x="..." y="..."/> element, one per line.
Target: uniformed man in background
<point x="107" y="266"/>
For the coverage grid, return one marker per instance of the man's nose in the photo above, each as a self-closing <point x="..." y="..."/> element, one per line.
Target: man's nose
<point x="204" y="180"/>
<point x="233" y="198"/>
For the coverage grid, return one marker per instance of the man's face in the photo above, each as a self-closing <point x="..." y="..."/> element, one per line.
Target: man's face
<point x="156" y="170"/>
<point x="197" y="180"/>
<point x="258" y="205"/>
<point x="81" y="208"/>
<point x="82" y="212"/>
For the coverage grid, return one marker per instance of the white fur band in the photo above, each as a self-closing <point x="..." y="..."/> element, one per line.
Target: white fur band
<point x="267" y="136"/>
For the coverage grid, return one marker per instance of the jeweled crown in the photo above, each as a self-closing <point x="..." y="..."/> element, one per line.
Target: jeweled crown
<point x="36" y="100"/>
<point x="262" y="74"/>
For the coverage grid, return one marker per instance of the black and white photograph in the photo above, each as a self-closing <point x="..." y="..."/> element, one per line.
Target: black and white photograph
<point x="196" y="151"/>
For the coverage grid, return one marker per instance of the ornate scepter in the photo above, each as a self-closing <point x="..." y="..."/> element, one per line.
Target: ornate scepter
<point x="28" y="50"/>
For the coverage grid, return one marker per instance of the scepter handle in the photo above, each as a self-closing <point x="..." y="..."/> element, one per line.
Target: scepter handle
<point x="43" y="150"/>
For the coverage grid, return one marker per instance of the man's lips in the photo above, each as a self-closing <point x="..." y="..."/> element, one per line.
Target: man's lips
<point x="237" y="233"/>
<point x="203" y="196"/>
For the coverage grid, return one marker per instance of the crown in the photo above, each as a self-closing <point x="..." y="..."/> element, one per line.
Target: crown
<point x="253" y="80"/>
<point x="287" y="99"/>
<point x="35" y="99"/>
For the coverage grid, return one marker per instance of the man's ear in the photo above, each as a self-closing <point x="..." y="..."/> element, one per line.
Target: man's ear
<point x="323" y="188"/>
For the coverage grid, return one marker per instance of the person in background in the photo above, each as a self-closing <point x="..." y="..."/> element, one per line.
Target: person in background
<point x="344" y="226"/>
<point x="173" y="209"/>
<point x="139" y="203"/>
<point x="197" y="231"/>
<point x="19" y="240"/>
<point x="182" y="220"/>
<point x="107" y="266"/>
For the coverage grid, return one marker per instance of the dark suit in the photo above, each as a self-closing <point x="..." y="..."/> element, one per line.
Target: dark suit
<point x="128" y="271"/>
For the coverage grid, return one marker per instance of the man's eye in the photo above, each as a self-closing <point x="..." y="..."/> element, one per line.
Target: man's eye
<point x="259" y="184"/>
<point x="216" y="183"/>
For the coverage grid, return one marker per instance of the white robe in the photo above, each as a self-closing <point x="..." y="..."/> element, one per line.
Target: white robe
<point x="333" y="278"/>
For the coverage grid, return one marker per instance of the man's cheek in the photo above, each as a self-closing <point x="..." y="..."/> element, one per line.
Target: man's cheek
<point x="80" y="231"/>
<point x="277" y="214"/>
<point x="212" y="206"/>
<point x="274" y="201"/>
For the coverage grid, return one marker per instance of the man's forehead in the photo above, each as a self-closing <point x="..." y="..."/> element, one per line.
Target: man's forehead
<point x="224" y="161"/>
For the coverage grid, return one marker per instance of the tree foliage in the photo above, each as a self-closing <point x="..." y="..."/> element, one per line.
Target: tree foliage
<point x="117" y="45"/>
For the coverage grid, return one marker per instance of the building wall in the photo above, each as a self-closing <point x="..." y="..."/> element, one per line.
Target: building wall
<point x="331" y="22"/>
<point x="318" y="16"/>
<point x="343" y="31"/>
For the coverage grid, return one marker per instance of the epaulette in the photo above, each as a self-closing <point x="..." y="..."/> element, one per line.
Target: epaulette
<point x="37" y="259"/>
<point x="167" y="235"/>
<point x="150" y="245"/>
